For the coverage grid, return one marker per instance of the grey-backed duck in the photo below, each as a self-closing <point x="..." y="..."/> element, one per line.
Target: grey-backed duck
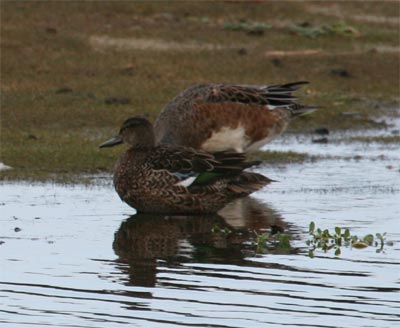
<point x="218" y="117"/>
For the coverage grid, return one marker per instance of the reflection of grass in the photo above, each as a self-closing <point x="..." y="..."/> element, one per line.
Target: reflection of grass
<point x="326" y="240"/>
<point x="45" y="47"/>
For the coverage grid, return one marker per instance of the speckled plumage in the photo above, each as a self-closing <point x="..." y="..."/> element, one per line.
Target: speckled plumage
<point x="149" y="178"/>
<point x="204" y="111"/>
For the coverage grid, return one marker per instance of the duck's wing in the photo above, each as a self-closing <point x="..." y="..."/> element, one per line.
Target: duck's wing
<point x="218" y="117"/>
<point x="181" y="159"/>
<point x="191" y="165"/>
<point x="185" y="159"/>
<point x="279" y="95"/>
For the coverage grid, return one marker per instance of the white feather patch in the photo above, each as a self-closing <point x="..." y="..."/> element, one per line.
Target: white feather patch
<point x="227" y="138"/>
<point x="186" y="183"/>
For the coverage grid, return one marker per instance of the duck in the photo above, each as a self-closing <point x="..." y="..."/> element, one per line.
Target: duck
<point x="229" y="117"/>
<point x="174" y="179"/>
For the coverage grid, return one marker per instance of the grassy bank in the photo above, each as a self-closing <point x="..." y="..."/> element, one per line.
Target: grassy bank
<point x="71" y="72"/>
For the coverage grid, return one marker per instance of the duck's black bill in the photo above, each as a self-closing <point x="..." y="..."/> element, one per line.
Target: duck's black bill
<point x="112" y="142"/>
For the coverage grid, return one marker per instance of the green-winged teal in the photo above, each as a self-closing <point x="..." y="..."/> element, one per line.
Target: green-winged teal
<point x="217" y="117"/>
<point x="177" y="179"/>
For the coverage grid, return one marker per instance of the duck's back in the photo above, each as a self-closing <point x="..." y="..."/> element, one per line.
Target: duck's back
<point x="220" y="117"/>
<point x="176" y="123"/>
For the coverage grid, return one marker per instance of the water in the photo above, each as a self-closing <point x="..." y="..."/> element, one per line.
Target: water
<point x="79" y="257"/>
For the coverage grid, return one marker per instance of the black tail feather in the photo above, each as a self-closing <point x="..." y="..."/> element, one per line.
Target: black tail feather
<point x="299" y="110"/>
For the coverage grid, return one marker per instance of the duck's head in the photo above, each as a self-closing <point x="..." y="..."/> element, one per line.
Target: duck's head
<point x="135" y="131"/>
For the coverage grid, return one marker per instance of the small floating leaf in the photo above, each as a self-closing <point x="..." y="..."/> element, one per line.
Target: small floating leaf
<point x="369" y="239"/>
<point x="359" y="244"/>
<point x="338" y="230"/>
<point x="312" y="227"/>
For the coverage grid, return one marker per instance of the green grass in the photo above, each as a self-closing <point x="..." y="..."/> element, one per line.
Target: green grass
<point x="379" y="139"/>
<point x="279" y="157"/>
<point x="46" y="46"/>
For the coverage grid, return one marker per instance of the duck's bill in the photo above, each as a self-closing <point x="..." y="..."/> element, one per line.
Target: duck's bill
<point x="112" y="142"/>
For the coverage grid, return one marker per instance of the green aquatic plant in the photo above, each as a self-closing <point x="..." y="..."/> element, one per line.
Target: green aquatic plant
<point x="216" y="229"/>
<point x="341" y="237"/>
<point x="270" y="156"/>
<point x="268" y="240"/>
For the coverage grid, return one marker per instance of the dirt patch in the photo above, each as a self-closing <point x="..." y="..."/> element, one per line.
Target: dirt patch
<point x="319" y="52"/>
<point x="123" y="44"/>
<point x="337" y="11"/>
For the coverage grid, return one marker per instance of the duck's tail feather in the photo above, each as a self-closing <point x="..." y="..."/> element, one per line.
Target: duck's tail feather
<point x="248" y="182"/>
<point x="300" y="110"/>
<point x="232" y="162"/>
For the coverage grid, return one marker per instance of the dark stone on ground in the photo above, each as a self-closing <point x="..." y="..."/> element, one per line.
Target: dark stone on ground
<point x="321" y="131"/>
<point x="242" y="51"/>
<point x="276" y="62"/>
<point x="117" y="101"/>
<point x="63" y="90"/>
<point x="340" y="72"/>
<point x="320" y="140"/>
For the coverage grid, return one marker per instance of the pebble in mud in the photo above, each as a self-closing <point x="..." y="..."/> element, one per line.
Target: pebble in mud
<point x="242" y="51"/>
<point x="320" y="140"/>
<point x="322" y="131"/>
<point x="340" y="72"/>
<point x="276" y="62"/>
<point x="63" y="90"/>
<point x="117" y="101"/>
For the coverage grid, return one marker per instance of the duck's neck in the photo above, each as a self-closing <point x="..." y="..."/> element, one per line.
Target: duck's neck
<point x="146" y="140"/>
<point x="141" y="147"/>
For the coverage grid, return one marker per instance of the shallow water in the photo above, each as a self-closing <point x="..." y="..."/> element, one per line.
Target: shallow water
<point x="73" y="256"/>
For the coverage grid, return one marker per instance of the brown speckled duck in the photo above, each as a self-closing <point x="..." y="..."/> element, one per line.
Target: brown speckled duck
<point x="220" y="117"/>
<point x="177" y="179"/>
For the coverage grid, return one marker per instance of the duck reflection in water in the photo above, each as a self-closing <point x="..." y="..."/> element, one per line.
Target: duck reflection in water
<point x="144" y="241"/>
